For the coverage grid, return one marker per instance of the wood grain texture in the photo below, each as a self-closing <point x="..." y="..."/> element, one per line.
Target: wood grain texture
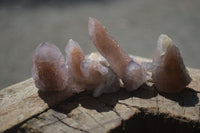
<point x="23" y="100"/>
<point x="83" y="113"/>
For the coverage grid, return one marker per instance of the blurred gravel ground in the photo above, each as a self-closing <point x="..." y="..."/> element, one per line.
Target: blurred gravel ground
<point x="135" y="24"/>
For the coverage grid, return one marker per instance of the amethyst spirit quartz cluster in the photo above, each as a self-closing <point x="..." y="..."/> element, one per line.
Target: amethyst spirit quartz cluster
<point x="102" y="74"/>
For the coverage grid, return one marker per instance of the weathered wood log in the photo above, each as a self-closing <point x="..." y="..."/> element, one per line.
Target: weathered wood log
<point x="56" y="112"/>
<point x="23" y="100"/>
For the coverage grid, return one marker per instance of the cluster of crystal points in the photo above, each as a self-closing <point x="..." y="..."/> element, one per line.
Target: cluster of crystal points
<point x="52" y="72"/>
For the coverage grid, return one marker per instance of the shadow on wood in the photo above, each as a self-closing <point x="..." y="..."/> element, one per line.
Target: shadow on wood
<point x="52" y="97"/>
<point x="187" y="98"/>
<point x="143" y="122"/>
<point x="104" y="103"/>
<point x="25" y="109"/>
<point x="122" y="111"/>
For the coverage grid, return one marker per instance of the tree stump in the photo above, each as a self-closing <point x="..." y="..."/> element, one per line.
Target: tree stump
<point x="25" y="109"/>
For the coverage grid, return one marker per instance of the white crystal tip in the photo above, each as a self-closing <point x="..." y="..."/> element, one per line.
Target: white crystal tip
<point x="165" y="41"/>
<point x="44" y="44"/>
<point x="70" y="41"/>
<point x="91" y="19"/>
<point x="71" y="45"/>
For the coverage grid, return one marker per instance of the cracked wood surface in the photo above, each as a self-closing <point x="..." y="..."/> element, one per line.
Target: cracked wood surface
<point x="23" y="100"/>
<point x="83" y="113"/>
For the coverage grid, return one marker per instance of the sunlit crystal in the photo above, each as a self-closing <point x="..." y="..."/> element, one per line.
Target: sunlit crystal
<point x="109" y="80"/>
<point x="101" y="74"/>
<point x="49" y="70"/>
<point x="74" y="57"/>
<point x="133" y="75"/>
<point x="89" y="73"/>
<point x="52" y="73"/>
<point x="108" y="47"/>
<point x="169" y="72"/>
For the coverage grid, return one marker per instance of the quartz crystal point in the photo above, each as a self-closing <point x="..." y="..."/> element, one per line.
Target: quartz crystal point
<point x="169" y="72"/>
<point x="74" y="57"/>
<point x="132" y="74"/>
<point x="108" y="47"/>
<point x="87" y="73"/>
<point x="49" y="69"/>
<point x="84" y="72"/>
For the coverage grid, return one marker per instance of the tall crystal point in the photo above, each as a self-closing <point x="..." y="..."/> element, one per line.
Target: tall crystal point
<point x="108" y="47"/>
<point x="132" y="74"/>
<point x="169" y="73"/>
<point x="74" y="57"/>
<point x="49" y="69"/>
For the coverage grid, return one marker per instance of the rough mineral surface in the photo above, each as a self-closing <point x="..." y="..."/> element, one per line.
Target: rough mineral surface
<point x="74" y="57"/>
<point x="132" y="74"/>
<point x="169" y="72"/>
<point x="110" y="82"/>
<point x="49" y="69"/>
<point x="52" y="73"/>
<point x="108" y="47"/>
<point x="99" y="74"/>
<point x="88" y="74"/>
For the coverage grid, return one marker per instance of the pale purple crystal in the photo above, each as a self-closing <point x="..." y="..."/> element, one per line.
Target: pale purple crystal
<point x="52" y="73"/>
<point x="49" y="69"/>
<point x="78" y="73"/>
<point x="93" y="71"/>
<point x="134" y="76"/>
<point x="102" y="74"/>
